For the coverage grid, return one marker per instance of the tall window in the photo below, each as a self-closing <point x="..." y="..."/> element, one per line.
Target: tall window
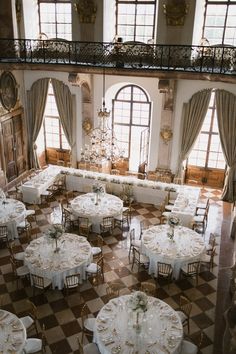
<point x="131" y="120"/>
<point x="135" y="19"/>
<point x="55" y="19"/>
<point x="52" y="134"/>
<point x="220" y="22"/>
<point x="207" y="150"/>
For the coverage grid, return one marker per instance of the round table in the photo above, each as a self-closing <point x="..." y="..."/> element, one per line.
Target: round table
<point x="12" y="333"/>
<point x="159" y="330"/>
<point x="12" y="212"/>
<point x="74" y="255"/>
<point x="187" y="246"/>
<point x="108" y="205"/>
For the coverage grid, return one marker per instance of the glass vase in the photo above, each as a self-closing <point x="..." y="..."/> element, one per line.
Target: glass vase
<point x="57" y="249"/>
<point x="96" y="198"/>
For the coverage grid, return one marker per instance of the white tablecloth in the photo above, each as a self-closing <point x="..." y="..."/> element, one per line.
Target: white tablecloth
<point x="185" y="204"/>
<point x="74" y="255"/>
<point x="12" y="212"/>
<point x="161" y="330"/>
<point x="187" y="246"/>
<point x="12" y="333"/>
<point x="84" y="205"/>
<point x="38" y="184"/>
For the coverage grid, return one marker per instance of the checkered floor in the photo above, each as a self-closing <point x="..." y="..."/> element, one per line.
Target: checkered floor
<point x="61" y="314"/>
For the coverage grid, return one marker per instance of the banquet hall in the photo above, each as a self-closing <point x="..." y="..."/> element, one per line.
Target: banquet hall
<point x="117" y="176"/>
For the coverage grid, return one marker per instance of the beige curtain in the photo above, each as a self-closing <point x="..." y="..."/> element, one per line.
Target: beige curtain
<point x="193" y="115"/>
<point x="226" y="114"/>
<point x="36" y="104"/>
<point x="63" y="99"/>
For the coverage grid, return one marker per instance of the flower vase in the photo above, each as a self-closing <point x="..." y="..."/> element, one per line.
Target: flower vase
<point x="96" y="198"/>
<point x="137" y="324"/>
<point x="57" y="249"/>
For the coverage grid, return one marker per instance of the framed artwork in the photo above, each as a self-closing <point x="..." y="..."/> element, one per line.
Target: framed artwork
<point x="8" y="90"/>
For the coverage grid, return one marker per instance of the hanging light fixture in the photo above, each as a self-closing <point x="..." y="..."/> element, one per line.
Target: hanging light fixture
<point x="103" y="145"/>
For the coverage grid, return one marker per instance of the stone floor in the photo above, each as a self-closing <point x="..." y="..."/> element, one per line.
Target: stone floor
<point x="61" y="314"/>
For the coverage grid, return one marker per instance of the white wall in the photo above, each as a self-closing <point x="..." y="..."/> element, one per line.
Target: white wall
<point x="31" y="19"/>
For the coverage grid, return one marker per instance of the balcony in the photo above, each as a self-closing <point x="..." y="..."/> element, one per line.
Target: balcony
<point x="129" y="57"/>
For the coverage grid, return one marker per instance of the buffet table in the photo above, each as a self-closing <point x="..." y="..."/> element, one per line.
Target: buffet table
<point x="73" y="256"/>
<point x="108" y="205"/>
<point x="12" y="212"/>
<point x="12" y="333"/>
<point x="118" y="328"/>
<point x="38" y="184"/>
<point x="187" y="246"/>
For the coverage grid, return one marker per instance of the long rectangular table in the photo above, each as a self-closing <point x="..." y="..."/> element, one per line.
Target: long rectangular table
<point x="142" y="191"/>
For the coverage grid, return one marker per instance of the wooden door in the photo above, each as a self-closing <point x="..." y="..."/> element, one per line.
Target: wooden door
<point x="9" y="149"/>
<point x="13" y="143"/>
<point x="19" y="144"/>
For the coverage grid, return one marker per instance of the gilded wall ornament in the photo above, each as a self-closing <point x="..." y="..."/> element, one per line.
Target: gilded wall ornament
<point x="166" y="134"/>
<point x="175" y="11"/>
<point x="87" y="125"/>
<point x="8" y="90"/>
<point x="87" y="11"/>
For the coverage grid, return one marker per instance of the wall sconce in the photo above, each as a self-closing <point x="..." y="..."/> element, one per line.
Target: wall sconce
<point x="175" y="11"/>
<point x="166" y="134"/>
<point x="87" y="125"/>
<point x="87" y="10"/>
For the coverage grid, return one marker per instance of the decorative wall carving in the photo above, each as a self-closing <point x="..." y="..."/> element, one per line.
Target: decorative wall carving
<point x="87" y="11"/>
<point x="175" y="11"/>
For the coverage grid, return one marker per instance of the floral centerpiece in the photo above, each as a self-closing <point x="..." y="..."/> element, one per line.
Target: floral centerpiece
<point x="138" y="303"/>
<point x="54" y="233"/>
<point x="98" y="189"/>
<point x="172" y="221"/>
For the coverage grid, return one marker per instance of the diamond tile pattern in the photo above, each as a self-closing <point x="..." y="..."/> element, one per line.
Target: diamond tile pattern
<point x="61" y="314"/>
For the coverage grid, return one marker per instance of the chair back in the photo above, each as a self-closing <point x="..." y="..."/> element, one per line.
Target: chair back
<point x="136" y="255"/>
<point x="80" y="345"/>
<point x="113" y="290"/>
<point x="212" y="240"/>
<point x="4" y="232"/>
<point x="100" y="264"/>
<point x="143" y="226"/>
<point x="97" y="241"/>
<point x="84" y="227"/>
<point x="38" y="281"/>
<point x="84" y="313"/>
<point x="164" y="269"/>
<point x="108" y="222"/>
<point x="148" y="288"/>
<point x="132" y="235"/>
<point x="185" y="305"/>
<point x="13" y="264"/>
<point x="32" y="309"/>
<point x="193" y="268"/>
<point x="72" y="280"/>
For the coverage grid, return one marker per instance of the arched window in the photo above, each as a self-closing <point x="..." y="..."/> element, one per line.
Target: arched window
<point x="51" y="135"/>
<point x="135" y="19"/>
<point x="131" y="123"/>
<point x="206" y="161"/>
<point x="207" y="150"/>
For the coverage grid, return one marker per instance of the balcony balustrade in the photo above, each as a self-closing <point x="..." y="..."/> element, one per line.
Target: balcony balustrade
<point x="218" y="59"/>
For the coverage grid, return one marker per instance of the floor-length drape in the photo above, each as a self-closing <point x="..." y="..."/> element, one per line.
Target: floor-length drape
<point x="193" y="115"/>
<point x="63" y="99"/>
<point x="37" y="97"/>
<point x="226" y="114"/>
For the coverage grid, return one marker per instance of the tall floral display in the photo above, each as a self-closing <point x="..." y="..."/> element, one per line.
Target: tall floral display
<point x="54" y="233"/>
<point x="97" y="189"/>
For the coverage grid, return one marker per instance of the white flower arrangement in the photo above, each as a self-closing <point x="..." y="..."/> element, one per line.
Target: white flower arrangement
<point x="98" y="188"/>
<point x="55" y="231"/>
<point x="138" y="302"/>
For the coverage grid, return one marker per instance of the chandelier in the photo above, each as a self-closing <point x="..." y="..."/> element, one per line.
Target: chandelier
<point x="103" y="144"/>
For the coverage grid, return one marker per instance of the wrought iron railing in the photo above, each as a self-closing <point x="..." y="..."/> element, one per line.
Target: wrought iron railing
<point x="135" y="55"/>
